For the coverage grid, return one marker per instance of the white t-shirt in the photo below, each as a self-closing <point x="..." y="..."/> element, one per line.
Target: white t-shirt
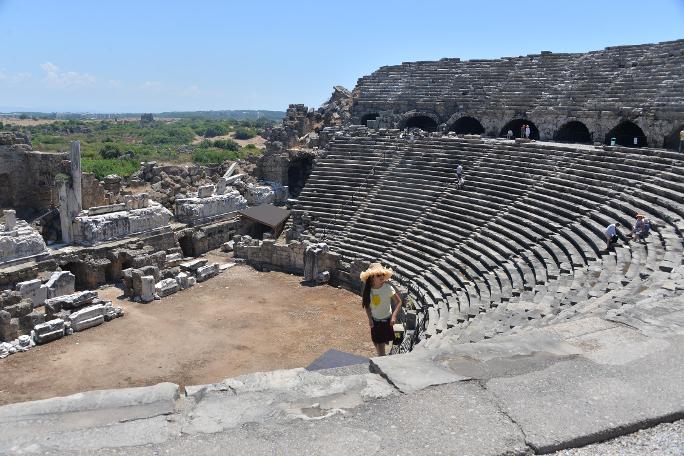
<point x="381" y="301"/>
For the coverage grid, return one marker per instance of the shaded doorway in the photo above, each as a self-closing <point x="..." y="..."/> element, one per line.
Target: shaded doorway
<point x="425" y="123"/>
<point x="467" y="126"/>
<point x="367" y="117"/>
<point x="573" y="132"/>
<point x="627" y="134"/>
<point x="515" y="126"/>
<point x="298" y="173"/>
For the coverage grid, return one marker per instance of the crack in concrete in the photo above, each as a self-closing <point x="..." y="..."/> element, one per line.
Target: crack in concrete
<point x="501" y="410"/>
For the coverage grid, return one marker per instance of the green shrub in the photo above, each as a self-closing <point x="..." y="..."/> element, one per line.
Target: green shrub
<point x="226" y="144"/>
<point x="216" y="130"/>
<point x="102" y="167"/>
<point x="244" y="133"/>
<point x="109" y="151"/>
<point x="213" y="156"/>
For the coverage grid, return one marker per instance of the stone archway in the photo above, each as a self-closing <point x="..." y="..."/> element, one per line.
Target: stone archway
<point x="424" y="122"/>
<point x="298" y="173"/>
<point x="573" y="132"/>
<point x="627" y="134"/>
<point x="515" y="126"/>
<point x="671" y="141"/>
<point x="466" y="125"/>
<point x="369" y="116"/>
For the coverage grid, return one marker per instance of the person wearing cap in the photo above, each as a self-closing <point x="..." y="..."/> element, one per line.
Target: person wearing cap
<point x="641" y="227"/>
<point x="377" y="297"/>
<point x="611" y="234"/>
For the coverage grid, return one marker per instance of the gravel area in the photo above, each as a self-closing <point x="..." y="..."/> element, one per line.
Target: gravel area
<point x="663" y="440"/>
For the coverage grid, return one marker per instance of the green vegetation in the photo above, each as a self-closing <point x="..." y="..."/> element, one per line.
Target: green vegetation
<point x="244" y="133"/>
<point x="118" y="146"/>
<point x="110" y="151"/>
<point x="104" y="167"/>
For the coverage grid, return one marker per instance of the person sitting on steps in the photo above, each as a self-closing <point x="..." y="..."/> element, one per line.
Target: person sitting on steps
<point x="377" y="297"/>
<point x="642" y="226"/>
<point x="611" y="234"/>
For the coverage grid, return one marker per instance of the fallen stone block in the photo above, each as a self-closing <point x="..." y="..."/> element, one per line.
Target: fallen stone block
<point x="205" y="191"/>
<point x="194" y="265"/>
<point x="183" y="280"/>
<point x="21" y="309"/>
<point x="192" y="281"/>
<point x="207" y="272"/>
<point x="173" y="260"/>
<point x="60" y="283"/>
<point x="147" y="288"/>
<point x="72" y="301"/>
<point x="167" y="287"/>
<point x="87" y="317"/>
<point x="34" y="291"/>
<point x="226" y="266"/>
<point x="228" y="246"/>
<point x="48" y="331"/>
<point x="9" y="327"/>
<point x="31" y="320"/>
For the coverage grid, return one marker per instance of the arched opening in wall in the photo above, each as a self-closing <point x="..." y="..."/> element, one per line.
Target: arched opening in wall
<point x="627" y="134"/>
<point x="367" y="117"/>
<point x="467" y="126"/>
<point x="298" y="173"/>
<point x="671" y="141"/>
<point x="425" y="123"/>
<point x="515" y="126"/>
<point x="573" y="132"/>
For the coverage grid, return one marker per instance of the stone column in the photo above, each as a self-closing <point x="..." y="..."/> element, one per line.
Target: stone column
<point x="64" y="216"/>
<point x="75" y="158"/>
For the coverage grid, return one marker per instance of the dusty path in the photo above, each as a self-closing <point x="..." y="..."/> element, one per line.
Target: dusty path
<point x="241" y="321"/>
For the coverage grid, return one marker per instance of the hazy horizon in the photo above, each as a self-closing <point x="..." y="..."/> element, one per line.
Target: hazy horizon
<point x="161" y="56"/>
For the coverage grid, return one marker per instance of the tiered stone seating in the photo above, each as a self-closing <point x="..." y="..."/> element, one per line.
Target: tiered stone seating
<point x="522" y="244"/>
<point x="649" y="75"/>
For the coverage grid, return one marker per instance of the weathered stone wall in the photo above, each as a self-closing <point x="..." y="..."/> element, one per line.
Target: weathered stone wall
<point x="199" y="240"/>
<point x="599" y="89"/>
<point x="27" y="178"/>
<point x="94" y="193"/>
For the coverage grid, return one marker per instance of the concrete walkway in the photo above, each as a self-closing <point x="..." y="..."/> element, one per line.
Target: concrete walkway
<point x="538" y="391"/>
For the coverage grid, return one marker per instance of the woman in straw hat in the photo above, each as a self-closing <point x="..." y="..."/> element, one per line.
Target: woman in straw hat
<point x="377" y="298"/>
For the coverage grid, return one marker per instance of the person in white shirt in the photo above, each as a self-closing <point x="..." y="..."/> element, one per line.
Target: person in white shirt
<point x="377" y="297"/>
<point x="611" y="234"/>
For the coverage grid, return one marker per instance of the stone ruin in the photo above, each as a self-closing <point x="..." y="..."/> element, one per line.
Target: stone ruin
<point x="109" y="234"/>
<point x="211" y="202"/>
<point x="19" y="242"/>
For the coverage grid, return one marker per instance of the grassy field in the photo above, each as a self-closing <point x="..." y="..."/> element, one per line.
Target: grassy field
<point x="118" y="146"/>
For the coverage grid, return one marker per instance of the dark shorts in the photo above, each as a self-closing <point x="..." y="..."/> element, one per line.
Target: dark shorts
<point x="382" y="332"/>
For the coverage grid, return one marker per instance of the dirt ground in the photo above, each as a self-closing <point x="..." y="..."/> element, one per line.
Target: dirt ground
<point x="238" y="322"/>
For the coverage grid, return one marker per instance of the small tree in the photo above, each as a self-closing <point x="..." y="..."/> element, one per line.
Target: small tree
<point x="109" y="151"/>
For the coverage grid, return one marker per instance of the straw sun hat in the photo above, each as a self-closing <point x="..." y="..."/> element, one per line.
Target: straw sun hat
<point x="376" y="269"/>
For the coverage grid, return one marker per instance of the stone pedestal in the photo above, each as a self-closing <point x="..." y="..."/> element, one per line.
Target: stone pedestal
<point x="313" y="271"/>
<point x="147" y="287"/>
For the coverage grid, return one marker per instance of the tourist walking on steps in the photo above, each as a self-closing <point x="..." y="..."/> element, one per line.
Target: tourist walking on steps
<point x="509" y="134"/>
<point x="611" y="234"/>
<point x="377" y="297"/>
<point x="459" y="176"/>
<point x="681" y="140"/>
<point x="527" y="131"/>
<point x="522" y="131"/>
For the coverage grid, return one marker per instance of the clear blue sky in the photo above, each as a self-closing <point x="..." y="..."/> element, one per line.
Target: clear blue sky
<point x="115" y="56"/>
